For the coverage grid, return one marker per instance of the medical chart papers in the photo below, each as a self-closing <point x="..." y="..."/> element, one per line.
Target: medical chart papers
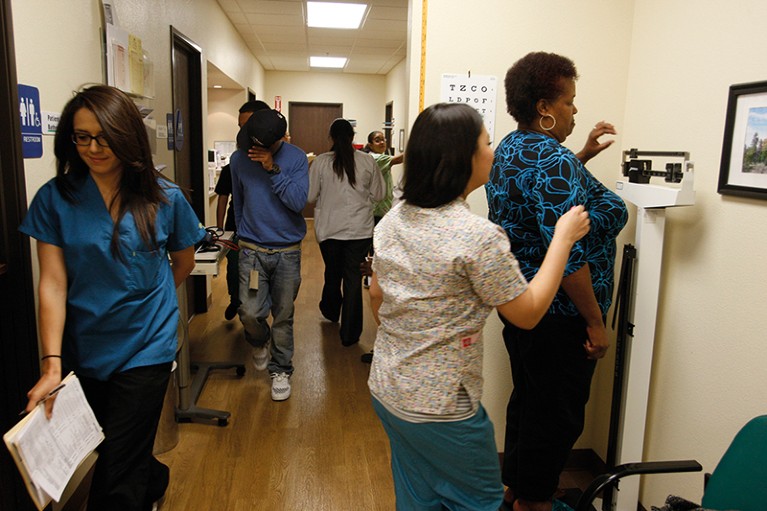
<point x="49" y="451"/>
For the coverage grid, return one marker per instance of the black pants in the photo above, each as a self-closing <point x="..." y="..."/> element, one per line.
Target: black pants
<point x="342" y="292"/>
<point x="127" y="476"/>
<point x="376" y="219"/>
<point x="545" y="415"/>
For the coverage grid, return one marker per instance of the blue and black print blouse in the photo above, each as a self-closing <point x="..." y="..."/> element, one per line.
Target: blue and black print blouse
<point x="534" y="181"/>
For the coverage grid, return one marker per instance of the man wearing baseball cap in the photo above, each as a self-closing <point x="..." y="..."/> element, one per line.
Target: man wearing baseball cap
<point x="270" y="182"/>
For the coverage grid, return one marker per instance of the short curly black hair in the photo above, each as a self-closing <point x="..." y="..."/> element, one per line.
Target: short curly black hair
<point x="535" y="76"/>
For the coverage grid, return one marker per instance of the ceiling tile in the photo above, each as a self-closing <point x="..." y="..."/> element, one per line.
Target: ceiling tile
<point x="275" y="32"/>
<point x="229" y="5"/>
<point x="272" y="6"/>
<point x="382" y="25"/>
<point x="388" y="13"/>
<point x="276" y="20"/>
<point x="281" y="48"/>
<point x="285" y="63"/>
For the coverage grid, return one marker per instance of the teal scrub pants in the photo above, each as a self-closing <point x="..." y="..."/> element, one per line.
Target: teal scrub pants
<point x="444" y="465"/>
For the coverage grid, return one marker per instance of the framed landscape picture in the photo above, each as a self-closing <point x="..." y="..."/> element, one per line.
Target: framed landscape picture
<point x="743" y="169"/>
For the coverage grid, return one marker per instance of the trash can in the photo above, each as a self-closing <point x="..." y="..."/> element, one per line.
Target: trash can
<point x="167" y="429"/>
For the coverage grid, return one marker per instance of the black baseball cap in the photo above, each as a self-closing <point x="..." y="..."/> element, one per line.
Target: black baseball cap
<point x="263" y="129"/>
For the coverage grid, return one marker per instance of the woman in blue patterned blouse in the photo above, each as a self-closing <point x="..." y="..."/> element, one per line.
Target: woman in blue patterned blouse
<point x="533" y="181"/>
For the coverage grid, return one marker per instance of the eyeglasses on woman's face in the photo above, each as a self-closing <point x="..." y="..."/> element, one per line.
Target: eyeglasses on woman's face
<point x="85" y="139"/>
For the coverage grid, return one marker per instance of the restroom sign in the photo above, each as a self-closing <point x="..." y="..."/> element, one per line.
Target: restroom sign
<point x="479" y="92"/>
<point x="31" y="127"/>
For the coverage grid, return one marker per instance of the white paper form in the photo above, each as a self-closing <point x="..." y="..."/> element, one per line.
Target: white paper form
<point x="53" y="449"/>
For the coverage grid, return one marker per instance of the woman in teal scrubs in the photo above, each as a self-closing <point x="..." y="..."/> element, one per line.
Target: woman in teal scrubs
<point x="105" y="227"/>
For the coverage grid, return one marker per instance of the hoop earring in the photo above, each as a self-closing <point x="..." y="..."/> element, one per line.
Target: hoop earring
<point x="541" y="123"/>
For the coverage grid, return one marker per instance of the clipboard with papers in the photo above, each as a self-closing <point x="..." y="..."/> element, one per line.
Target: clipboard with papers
<point x="47" y="452"/>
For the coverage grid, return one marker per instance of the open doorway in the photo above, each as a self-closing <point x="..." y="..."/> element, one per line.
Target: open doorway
<point x="186" y="63"/>
<point x="389" y="126"/>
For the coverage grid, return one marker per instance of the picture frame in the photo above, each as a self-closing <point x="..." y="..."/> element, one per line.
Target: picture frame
<point x="743" y="169"/>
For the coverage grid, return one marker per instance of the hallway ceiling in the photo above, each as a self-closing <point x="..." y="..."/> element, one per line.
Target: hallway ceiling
<point x="276" y="33"/>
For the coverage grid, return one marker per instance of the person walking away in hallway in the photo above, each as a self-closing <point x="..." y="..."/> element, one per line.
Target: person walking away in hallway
<point x="345" y="183"/>
<point x="270" y="183"/>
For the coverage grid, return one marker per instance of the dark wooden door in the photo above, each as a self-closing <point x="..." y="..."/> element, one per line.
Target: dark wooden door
<point x="310" y="124"/>
<point x="309" y="127"/>
<point x="189" y="157"/>
<point x="19" y="369"/>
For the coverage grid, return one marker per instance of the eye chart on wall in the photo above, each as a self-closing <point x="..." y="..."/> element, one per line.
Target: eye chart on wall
<point x="478" y="92"/>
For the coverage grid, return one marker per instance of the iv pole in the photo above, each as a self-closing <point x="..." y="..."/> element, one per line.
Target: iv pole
<point x="651" y="202"/>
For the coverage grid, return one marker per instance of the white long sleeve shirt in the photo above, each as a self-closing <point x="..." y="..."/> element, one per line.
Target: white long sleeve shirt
<point x="344" y="212"/>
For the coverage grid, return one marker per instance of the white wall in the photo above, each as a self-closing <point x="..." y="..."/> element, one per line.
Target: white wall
<point x="58" y="46"/>
<point x="397" y="92"/>
<point x="363" y="96"/>
<point x="710" y="355"/>
<point x="55" y="60"/>
<point x="223" y="110"/>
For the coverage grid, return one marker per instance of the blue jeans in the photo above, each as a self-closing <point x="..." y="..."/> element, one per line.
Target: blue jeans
<point x="233" y="274"/>
<point x="279" y="277"/>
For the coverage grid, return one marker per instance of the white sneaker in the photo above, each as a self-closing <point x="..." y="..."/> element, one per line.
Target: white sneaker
<point x="280" y="386"/>
<point x="261" y="357"/>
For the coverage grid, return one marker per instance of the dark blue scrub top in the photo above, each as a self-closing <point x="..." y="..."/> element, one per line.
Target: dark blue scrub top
<point x="120" y="315"/>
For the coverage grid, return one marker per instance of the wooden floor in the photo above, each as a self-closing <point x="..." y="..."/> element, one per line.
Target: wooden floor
<point x="322" y="449"/>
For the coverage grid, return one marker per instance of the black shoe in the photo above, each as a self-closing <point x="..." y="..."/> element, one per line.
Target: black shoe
<point x="326" y="313"/>
<point x="159" y="478"/>
<point x="367" y="358"/>
<point x="350" y="343"/>
<point x="231" y="311"/>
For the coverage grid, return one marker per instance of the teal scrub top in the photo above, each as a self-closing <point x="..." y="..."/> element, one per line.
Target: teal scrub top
<point x="120" y="314"/>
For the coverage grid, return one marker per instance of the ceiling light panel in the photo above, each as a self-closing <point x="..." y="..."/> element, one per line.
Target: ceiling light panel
<point x="334" y="15"/>
<point x="332" y="62"/>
